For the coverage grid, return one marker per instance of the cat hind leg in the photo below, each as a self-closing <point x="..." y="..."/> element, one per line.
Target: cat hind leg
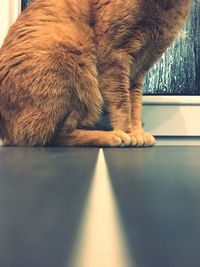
<point x="31" y="127"/>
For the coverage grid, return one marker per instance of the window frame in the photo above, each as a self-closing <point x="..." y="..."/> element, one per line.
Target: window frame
<point x="164" y="116"/>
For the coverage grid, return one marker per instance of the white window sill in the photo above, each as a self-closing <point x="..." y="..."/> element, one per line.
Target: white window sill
<point x="172" y="115"/>
<point x="171" y="100"/>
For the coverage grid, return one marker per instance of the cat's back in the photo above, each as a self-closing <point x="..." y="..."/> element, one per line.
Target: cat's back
<point x="46" y="30"/>
<point x="45" y="21"/>
<point x="43" y="50"/>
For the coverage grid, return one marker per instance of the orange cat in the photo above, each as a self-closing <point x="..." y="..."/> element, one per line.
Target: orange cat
<point x="64" y="59"/>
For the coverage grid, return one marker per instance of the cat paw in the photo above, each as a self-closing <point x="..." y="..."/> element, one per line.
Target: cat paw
<point x="141" y="139"/>
<point x="120" y="138"/>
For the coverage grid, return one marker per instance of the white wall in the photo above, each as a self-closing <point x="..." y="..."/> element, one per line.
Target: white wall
<point x="9" y="10"/>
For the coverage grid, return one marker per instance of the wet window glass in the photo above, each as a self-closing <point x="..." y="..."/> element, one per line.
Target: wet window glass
<point x="178" y="71"/>
<point x="25" y="3"/>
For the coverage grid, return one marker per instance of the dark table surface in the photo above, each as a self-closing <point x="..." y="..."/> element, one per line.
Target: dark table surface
<point x="43" y="192"/>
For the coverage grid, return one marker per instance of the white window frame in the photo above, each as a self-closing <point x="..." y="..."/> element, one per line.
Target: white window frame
<point x="172" y="119"/>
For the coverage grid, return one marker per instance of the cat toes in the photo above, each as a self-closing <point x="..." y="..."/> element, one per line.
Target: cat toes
<point x="135" y="139"/>
<point x="119" y="138"/>
<point x="142" y="139"/>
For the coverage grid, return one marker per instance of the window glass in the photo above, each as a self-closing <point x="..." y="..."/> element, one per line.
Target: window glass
<point x="25" y="3"/>
<point x="178" y="71"/>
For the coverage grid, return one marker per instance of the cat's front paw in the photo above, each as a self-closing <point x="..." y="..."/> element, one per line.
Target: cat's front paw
<point x="139" y="138"/>
<point x="119" y="138"/>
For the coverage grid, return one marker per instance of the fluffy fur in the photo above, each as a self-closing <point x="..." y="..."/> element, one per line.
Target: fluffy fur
<point x="64" y="59"/>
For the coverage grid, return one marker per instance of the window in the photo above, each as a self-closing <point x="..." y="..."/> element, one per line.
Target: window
<point x="178" y="71"/>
